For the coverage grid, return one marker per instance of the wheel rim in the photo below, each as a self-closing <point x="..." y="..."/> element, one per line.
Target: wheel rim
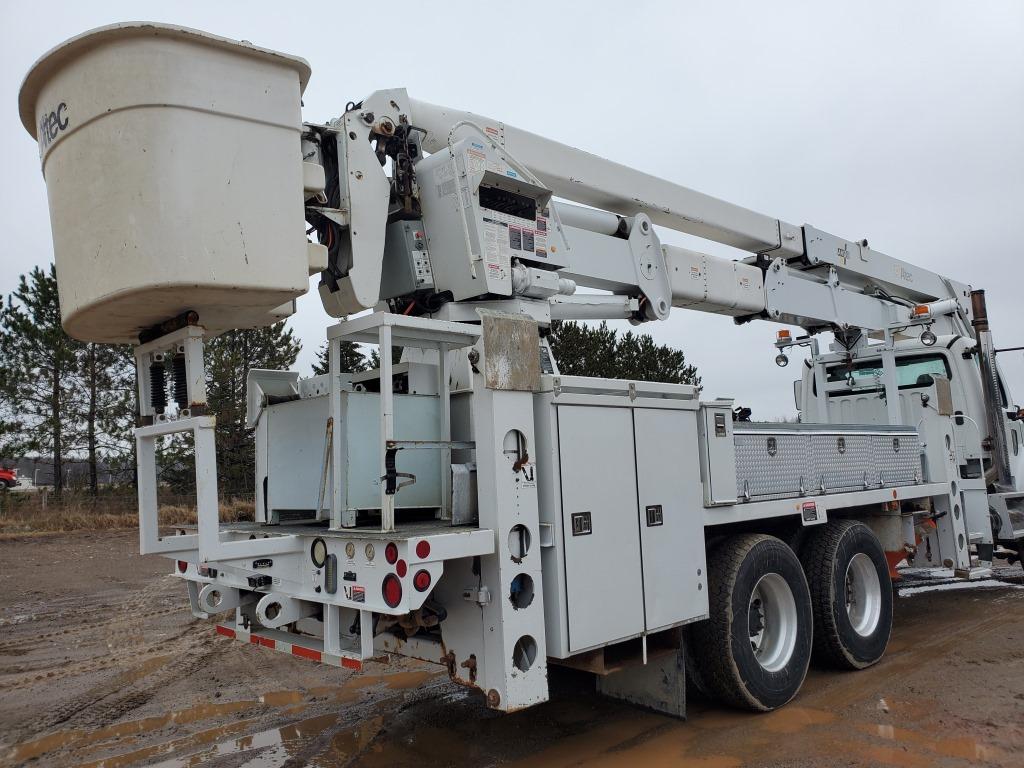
<point x="863" y="595"/>
<point x="772" y="622"/>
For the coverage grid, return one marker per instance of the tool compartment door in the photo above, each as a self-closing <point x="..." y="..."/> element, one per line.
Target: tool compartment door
<point x="604" y="590"/>
<point x="670" y="517"/>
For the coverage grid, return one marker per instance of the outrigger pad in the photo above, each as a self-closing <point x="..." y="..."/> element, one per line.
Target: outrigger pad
<point x="511" y="352"/>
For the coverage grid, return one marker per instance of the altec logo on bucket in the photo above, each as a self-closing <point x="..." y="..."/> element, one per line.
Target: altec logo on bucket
<point x="50" y="125"/>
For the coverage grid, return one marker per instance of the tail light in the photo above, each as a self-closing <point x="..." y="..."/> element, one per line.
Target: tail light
<point x="421" y="581"/>
<point x="401" y="569"/>
<point x="182" y="566"/>
<point x="423" y="550"/>
<point x="391" y="552"/>
<point x="392" y="590"/>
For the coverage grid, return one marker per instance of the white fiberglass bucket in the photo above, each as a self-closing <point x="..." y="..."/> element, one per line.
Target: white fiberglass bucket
<point x="173" y="168"/>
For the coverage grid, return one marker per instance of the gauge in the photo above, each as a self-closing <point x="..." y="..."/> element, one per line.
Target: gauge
<point x="318" y="552"/>
<point x="350" y="550"/>
<point x="369" y="552"/>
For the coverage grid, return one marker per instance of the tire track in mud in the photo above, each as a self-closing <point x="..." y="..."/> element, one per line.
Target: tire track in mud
<point x="109" y="701"/>
<point x="14" y="647"/>
<point x="89" y="666"/>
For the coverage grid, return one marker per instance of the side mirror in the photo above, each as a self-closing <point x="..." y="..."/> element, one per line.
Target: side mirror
<point x="1015" y="415"/>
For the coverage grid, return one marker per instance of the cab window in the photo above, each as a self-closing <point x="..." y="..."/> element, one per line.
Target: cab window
<point x="909" y="371"/>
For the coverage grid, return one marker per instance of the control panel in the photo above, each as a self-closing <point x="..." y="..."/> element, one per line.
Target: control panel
<point x="406" y="267"/>
<point x="482" y="214"/>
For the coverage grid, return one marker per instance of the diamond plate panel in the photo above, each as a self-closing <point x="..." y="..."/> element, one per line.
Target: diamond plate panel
<point x="795" y="460"/>
<point x="770" y="463"/>
<point x="897" y="458"/>
<point x="841" y="462"/>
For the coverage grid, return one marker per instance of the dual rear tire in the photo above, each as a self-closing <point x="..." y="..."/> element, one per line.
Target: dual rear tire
<point x="770" y="612"/>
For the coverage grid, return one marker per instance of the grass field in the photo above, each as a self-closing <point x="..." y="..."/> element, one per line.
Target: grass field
<point x="24" y="514"/>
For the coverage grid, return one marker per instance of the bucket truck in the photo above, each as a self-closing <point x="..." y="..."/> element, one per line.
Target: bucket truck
<point x="467" y="503"/>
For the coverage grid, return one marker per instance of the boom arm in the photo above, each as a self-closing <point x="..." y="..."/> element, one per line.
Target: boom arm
<point x="796" y="275"/>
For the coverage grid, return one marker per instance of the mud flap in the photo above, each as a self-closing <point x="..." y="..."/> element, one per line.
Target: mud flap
<point x="660" y="684"/>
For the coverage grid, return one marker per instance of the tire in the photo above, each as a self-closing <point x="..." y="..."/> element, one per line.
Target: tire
<point x="851" y="594"/>
<point x="754" y="582"/>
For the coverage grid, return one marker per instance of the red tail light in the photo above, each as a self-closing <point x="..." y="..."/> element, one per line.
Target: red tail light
<point x="182" y="566"/>
<point x="392" y="589"/>
<point x="391" y="552"/>
<point x="401" y="569"/>
<point x="423" y="550"/>
<point x="421" y="581"/>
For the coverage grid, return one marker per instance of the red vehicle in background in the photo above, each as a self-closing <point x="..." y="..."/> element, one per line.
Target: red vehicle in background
<point x="8" y="477"/>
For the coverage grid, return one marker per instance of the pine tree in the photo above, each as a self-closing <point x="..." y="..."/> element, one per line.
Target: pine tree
<point x="107" y="403"/>
<point x="38" y="366"/>
<point x="581" y="350"/>
<point x="229" y="358"/>
<point x="352" y="359"/>
<point x="374" y="359"/>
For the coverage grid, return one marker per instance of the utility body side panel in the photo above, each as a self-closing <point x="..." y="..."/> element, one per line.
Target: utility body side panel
<point x="671" y="520"/>
<point x="599" y="522"/>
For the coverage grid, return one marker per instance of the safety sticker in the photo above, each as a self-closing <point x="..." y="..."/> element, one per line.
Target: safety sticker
<point x="355" y="593"/>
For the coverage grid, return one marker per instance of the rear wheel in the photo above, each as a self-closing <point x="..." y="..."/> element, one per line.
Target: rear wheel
<point x="851" y="594"/>
<point x="754" y="649"/>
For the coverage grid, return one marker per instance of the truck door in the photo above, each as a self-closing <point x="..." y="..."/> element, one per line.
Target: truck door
<point x="1014" y="431"/>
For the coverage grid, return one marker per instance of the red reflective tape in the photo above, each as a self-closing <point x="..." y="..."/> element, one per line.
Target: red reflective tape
<point x="226" y="631"/>
<point x="306" y="653"/>
<point x="351" y="663"/>
<point x="266" y="642"/>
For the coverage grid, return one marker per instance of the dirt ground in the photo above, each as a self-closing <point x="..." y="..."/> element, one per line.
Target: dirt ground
<point x="101" y="664"/>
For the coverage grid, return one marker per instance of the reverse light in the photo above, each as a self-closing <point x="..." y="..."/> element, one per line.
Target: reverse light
<point x="391" y="589"/>
<point x="318" y="552"/>
<point x="421" y="581"/>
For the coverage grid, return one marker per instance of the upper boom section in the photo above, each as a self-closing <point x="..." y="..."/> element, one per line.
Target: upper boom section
<point x="584" y="178"/>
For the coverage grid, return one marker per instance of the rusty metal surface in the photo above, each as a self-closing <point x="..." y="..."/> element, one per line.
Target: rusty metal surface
<point x="511" y="352"/>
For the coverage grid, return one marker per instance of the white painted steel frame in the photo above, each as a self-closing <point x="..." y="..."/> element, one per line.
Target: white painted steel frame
<point x="763" y="510"/>
<point x="387" y="329"/>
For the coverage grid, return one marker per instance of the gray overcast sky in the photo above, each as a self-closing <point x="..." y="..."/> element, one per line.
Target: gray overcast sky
<point x="899" y="122"/>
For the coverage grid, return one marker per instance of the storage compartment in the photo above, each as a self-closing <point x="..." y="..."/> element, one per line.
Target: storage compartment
<point x="776" y="461"/>
<point x="174" y="174"/>
<point x="619" y="488"/>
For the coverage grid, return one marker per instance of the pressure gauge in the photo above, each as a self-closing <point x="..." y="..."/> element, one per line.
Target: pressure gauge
<point x="350" y="550"/>
<point x="369" y="552"/>
<point x="318" y="552"/>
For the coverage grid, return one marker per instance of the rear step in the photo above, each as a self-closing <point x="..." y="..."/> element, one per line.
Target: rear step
<point x="311" y="648"/>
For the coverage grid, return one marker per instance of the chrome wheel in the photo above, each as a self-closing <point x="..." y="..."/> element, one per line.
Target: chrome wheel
<point x="772" y="622"/>
<point x="863" y="594"/>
